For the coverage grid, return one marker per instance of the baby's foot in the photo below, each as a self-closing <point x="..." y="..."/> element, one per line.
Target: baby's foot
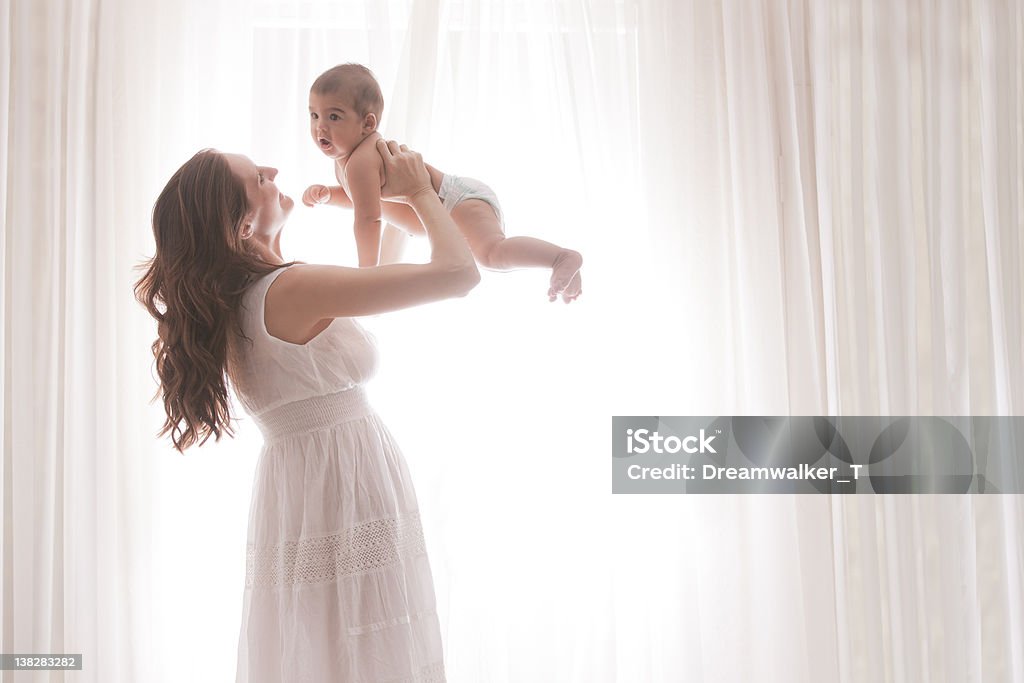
<point x="574" y="289"/>
<point x="563" y="270"/>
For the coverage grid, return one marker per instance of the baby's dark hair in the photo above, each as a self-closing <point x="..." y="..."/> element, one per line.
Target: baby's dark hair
<point x="355" y="80"/>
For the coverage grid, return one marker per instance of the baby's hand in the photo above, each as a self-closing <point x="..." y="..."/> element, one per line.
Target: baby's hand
<point x="316" y="194"/>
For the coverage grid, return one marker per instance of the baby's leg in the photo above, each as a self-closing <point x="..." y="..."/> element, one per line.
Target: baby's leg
<point x="392" y="244"/>
<point x="481" y="228"/>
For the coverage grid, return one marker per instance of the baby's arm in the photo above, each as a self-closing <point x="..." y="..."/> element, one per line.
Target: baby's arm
<point x="333" y="195"/>
<point x="364" y="171"/>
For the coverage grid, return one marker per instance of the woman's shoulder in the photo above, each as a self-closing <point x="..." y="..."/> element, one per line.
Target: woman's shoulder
<point x="269" y="276"/>
<point x="291" y="266"/>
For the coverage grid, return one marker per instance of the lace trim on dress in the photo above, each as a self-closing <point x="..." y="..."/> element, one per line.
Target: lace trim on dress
<point x="380" y="625"/>
<point x="359" y="549"/>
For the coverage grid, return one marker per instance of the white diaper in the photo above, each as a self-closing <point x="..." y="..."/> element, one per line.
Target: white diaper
<point x="455" y="190"/>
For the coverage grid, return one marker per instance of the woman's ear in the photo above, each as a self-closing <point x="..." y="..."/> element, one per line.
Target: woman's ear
<point x="245" y="232"/>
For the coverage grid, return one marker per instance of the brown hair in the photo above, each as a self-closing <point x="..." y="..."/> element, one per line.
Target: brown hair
<point x="199" y="272"/>
<point x="355" y="80"/>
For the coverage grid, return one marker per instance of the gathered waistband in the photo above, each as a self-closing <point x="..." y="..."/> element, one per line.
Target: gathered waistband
<point x="311" y="414"/>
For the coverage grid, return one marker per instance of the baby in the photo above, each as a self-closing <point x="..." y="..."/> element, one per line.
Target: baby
<point x="345" y="105"/>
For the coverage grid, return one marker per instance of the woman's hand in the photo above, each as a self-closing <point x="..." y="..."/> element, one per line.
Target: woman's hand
<point x="404" y="172"/>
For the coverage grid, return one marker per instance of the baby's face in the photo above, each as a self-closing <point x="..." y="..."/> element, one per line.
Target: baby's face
<point x="335" y="125"/>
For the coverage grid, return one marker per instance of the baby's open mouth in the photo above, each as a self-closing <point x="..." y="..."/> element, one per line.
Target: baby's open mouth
<point x="325" y="143"/>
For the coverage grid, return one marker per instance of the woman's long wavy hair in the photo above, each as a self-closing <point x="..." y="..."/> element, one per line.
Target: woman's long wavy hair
<point x="197" y="276"/>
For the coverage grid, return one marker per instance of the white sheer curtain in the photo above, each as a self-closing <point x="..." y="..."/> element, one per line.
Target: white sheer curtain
<point x="785" y="207"/>
<point x="915" y="125"/>
<point x="77" y="470"/>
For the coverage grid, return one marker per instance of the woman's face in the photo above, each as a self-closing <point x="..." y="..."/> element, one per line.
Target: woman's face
<point x="268" y="206"/>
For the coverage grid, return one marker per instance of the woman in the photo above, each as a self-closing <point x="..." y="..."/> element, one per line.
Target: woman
<point x="338" y="585"/>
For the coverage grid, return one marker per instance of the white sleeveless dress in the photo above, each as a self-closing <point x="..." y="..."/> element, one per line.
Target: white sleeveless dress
<point x="338" y="587"/>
